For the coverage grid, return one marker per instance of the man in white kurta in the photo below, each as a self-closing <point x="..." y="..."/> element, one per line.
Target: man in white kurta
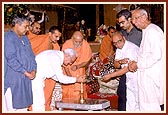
<point x="49" y="64"/>
<point x="130" y="51"/>
<point x="125" y="52"/>
<point x="150" y="63"/>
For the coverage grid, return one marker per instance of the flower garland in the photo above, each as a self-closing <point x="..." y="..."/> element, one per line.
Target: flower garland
<point x="101" y="32"/>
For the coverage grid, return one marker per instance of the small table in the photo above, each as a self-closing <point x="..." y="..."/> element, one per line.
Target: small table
<point x="88" y="104"/>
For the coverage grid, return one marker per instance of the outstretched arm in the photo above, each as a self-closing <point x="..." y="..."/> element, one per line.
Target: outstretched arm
<point x="84" y="64"/>
<point x="115" y="74"/>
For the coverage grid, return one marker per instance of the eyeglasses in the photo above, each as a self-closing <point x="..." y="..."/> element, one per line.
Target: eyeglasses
<point x="137" y="17"/>
<point x="118" y="42"/>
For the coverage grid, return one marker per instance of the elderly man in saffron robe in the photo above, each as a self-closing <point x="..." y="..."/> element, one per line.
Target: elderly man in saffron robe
<point x="77" y="69"/>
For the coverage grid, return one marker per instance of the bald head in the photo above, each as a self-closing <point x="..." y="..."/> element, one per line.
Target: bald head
<point x="118" y="40"/>
<point x="116" y="34"/>
<point x="77" y="35"/>
<point x="35" y="28"/>
<point x="77" y="38"/>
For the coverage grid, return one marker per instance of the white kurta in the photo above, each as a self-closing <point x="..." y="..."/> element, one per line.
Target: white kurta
<point x="48" y="66"/>
<point x="151" y="69"/>
<point x="130" y="51"/>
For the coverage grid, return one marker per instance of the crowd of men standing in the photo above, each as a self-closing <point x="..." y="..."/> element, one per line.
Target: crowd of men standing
<point x="29" y="64"/>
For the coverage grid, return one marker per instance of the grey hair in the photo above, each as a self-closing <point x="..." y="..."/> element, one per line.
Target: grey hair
<point x="19" y="19"/>
<point x="71" y="52"/>
<point x="143" y="11"/>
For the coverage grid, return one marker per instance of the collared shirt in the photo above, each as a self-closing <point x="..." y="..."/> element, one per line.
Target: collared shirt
<point x="134" y="36"/>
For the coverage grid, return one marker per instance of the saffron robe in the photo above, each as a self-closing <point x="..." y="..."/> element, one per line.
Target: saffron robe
<point x="41" y="43"/>
<point x="106" y="48"/>
<point x="84" y="55"/>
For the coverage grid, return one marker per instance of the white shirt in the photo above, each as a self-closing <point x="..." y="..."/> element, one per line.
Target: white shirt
<point x="151" y="68"/>
<point x="130" y="51"/>
<point x="49" y="66"/>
